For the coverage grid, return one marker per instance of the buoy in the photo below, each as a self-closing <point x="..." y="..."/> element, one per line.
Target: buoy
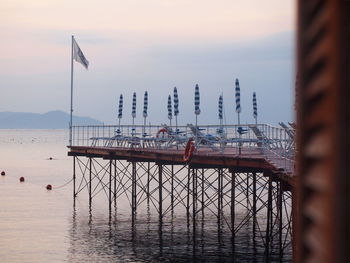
<point x="21" y="179"/>
<point x="50" y="158"/>
<point x="2" y="173"/>
<point x="49" y="187"/>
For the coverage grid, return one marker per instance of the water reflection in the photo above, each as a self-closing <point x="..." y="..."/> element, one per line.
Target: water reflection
<point x="114" y="239"/>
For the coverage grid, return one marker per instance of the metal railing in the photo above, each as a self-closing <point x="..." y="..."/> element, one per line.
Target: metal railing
<point x="273" y="142"/>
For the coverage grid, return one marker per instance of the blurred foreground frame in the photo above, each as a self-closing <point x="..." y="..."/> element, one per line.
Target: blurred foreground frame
<point x="321" y="229"/>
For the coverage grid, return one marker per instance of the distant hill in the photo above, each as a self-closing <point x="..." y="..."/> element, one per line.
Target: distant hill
<point x="49" y="120"/>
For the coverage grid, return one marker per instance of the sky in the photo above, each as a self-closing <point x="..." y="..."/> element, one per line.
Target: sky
<point x="149" y="45"/>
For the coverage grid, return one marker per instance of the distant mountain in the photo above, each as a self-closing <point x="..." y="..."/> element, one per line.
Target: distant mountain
<point x="49" y="120"/>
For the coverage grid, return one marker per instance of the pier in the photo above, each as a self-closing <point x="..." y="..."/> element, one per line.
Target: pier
<point x="237" y="174"/>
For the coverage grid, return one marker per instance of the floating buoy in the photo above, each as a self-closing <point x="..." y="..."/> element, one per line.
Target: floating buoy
<point x="21" y="179"/>
<point x="49" y="187"/>
<point x="2" y="173"/>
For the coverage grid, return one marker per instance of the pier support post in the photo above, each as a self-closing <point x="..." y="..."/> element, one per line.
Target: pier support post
<point x="202" y="201"/>
<point x="194" y="199"/>
<point x="115" y="185"/>
<point x="233" y="197"/>
<point x="219" y="196"/>
<point x="172" y="190"/>
<point x="90" y="192"/>
<point x="254" y="206"/>
<point x="160" y="201"/>
<point x="133" y="192"/>
<point x="269" y="221"/>
<point x="110" y="188"/>
<point x="148" y="181"/>
<point x="74" y="180"/>
<point x="188" y="196"/>
<point x="280" y="218"/>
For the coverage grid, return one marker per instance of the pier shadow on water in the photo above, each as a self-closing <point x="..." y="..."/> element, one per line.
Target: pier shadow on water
<point x="100" y="238"/>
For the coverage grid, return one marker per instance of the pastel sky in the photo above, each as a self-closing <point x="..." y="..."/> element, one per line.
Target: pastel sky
<point x="153" y="45"/>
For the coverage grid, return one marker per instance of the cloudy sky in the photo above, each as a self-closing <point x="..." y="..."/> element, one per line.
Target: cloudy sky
<point x="152" y="45"/>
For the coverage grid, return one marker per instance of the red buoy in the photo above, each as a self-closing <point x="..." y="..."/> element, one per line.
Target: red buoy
<point x="2" y="173"/>
<point x="49" y="187"/>
<point x="21" y="179"/>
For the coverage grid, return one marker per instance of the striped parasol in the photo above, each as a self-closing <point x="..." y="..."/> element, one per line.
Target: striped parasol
<point x="145" y="105"/>
<point x="120" y="109"/>
<point x="238" y="97"/>
<point x="220" y="107"/>
<point x="133" y="113"/>
<point x="197" y="110"/>
<point x="170" y="112"/>
<point x="176" y="102"/>
<point x="255" y="108"/>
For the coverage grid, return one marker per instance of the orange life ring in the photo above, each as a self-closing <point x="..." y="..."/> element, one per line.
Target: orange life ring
<point x="162" y="131"/>
<point x="189" y="150"/>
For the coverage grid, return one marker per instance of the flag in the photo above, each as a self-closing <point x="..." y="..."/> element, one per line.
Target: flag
<point x="78" y="55"/>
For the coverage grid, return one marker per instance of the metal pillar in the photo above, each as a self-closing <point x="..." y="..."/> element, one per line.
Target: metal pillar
<point x="74" y="180"/>
<point x="110" y="188"/>
<point x="280" y="219"/>
<point x="219" y="195"/>
<point x="269" y="221"/>
<point x="233" y="195"/>
<point x="160" y="200"/>
<point x="115" y="185"/>
<point x="194" y="196"/>
<point x="90" y="192"/>
<point x="148" y="180"/>
<point x="188" y="196"/>
<point x="172" y="190"/>
<point x="133" y="193"/>
<point x="254" y="207"/>
<point x="202" y="201"/>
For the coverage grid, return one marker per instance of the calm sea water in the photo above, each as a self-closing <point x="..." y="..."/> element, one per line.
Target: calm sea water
<point x="37" y="225"/>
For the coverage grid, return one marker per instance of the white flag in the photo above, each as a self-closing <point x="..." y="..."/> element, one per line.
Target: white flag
<point x="78" y="55"/>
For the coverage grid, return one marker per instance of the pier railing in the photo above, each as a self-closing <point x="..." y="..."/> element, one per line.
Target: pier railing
<point x="274" y="143"/>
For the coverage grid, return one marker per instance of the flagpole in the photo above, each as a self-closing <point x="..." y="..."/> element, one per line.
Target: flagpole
<point x="71" y="97"/>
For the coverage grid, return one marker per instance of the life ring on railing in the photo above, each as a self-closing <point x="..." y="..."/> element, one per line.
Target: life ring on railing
<point x="189" y="150"/>
<point x="162" y="132"/>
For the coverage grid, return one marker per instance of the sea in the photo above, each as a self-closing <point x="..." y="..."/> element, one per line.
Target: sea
<point x="39" y="225"/>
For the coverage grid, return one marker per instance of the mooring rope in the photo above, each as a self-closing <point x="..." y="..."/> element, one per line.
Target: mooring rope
<point x="61" y="186"/>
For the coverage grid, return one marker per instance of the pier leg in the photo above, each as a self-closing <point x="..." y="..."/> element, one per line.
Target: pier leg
<point x="233" y="197"/>
<point x="74" y="181"/>
<point x="148" y="181"/>
<point x="90" y="193"/>
<point x="133" y="193"/>
<point x="254" y="207"/>
<point x="269" y="219"/>
<point x="172" y="190"/>
<point x="247" y="193"/>
<point x="115" y="185"/>
<point x="188" y="196"/>
<point x="110" y="188"/>
<point x="160" y="201"/>
<point x="194" y="196"/>
<point x="280" y="219"/>
<point x="202" y="201"/>
<point x="219" y="197"/>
